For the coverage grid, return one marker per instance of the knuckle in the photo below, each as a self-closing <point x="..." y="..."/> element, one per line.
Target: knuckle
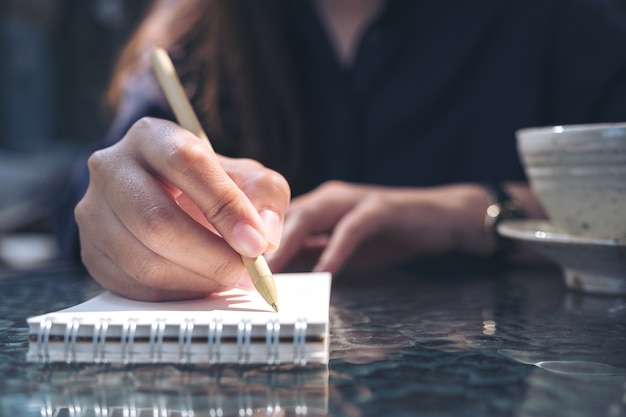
<point x="150" y="272"/>
<point x="82" y="213"/>
<point x="183" y="156"/>
<point x="263" y="175"/>
<point x="274" y="183"/>
<point x="158" y="226"/>
<point x="86" y="212"/>
<point x="277" y="181"/>
<point x="87" y="254"/>
<point x="140" y="126"/>
<point x="97" y="161"/>
<point x="332" y="187"/>
<point x="374" y="202"/>
<point x="142" y="123"/>
<point x="225" y="206"/>
<point x="250" y="164"/>
<point x="301" y="214"/>
<point x="225" y="276"/>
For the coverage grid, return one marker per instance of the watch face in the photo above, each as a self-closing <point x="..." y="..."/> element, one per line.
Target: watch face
<point x="505" y="210"/>
<point x="491" y="218"/>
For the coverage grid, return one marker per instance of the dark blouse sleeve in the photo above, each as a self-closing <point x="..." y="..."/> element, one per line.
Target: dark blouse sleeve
<point x="141" y="100"/>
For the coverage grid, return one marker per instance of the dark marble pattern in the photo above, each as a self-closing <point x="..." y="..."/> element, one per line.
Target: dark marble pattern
<point x="515" y="343"/>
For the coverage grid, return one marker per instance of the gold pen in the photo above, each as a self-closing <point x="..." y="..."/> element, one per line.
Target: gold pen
<point x="163" y="67"/>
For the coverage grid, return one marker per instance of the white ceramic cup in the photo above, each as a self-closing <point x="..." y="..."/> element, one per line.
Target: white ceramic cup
<point x="578" y="172"/>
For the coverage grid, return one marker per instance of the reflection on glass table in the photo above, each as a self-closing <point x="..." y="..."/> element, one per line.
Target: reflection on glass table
<point x="170" y="390"/>
<point x="508" y="343"/>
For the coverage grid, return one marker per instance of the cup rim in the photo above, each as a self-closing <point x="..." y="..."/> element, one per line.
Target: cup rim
<point x="581" y="127"/>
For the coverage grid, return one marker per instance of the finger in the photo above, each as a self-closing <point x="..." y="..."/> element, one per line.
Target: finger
<point x="183" y="160"/>
<point x="141" y="267"/>
<point x="156" y="221"/>
<point x="295" y="232"/>
<point x="351" y="231"/>
<point x="268" y="191"/>
<point x="273" y="222"/>
<point x="113" y="278"/>
<point x="308" y="216"/>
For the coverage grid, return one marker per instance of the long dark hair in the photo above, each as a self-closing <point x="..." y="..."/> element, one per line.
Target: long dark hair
<point x="235" y="60"/>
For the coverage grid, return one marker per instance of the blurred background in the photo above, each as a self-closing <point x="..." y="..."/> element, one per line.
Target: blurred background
<point x="56" y="60"/>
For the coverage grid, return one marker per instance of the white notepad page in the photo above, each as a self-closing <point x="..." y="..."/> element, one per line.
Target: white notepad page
<point x="303" y="298"/>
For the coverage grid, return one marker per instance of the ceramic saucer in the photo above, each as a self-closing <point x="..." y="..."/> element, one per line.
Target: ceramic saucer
<point x="589" y="265"/>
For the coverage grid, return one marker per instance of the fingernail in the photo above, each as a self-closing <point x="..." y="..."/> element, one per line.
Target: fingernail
<point x="273" y="226"/>
<point x="247" y="240"/>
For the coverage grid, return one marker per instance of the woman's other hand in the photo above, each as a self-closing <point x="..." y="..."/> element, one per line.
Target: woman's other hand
<point x="372" y="225"/>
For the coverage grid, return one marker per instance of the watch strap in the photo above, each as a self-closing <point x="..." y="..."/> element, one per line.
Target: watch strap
<point x="503" y="207"/>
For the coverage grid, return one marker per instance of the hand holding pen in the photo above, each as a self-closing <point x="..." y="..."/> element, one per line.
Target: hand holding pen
<point x="164" y="217"/>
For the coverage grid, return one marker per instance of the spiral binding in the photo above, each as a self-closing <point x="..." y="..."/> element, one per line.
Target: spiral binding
<point x="69" y="340"/>
<point x="186" y="330"/>
<point x="185" y="333"/>
<point x="272" y="340"/>
<point x="43" y="337"/>
<point x="299" y="341"/>
<point x="157" y="329"/>
<point x="127" y="341"/>
<point x="244" y="329"/>
<point x="214" y="339"/>
<point x="99" y="340"/>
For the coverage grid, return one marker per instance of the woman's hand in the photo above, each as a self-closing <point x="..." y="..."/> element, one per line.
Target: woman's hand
<point x="164" y="218"/>
<point x="376" y="225"/>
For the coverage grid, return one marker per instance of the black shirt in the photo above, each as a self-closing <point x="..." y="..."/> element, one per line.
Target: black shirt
<point x="437" y="89"/>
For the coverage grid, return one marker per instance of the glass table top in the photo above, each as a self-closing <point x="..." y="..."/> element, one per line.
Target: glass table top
<point x="512" y="343"/>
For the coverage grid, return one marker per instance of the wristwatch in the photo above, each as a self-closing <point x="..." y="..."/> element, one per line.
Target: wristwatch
<point x="503" y="207"/>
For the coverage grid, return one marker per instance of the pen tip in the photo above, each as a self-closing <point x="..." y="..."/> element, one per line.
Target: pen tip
<point x="275" y="307"/>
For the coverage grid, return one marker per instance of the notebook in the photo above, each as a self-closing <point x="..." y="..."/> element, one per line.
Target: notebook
<point x="235" y="326"/>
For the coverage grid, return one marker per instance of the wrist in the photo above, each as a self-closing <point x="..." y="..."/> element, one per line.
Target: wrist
<point x="502" y="206"/>
<point x="465" y="210"/>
